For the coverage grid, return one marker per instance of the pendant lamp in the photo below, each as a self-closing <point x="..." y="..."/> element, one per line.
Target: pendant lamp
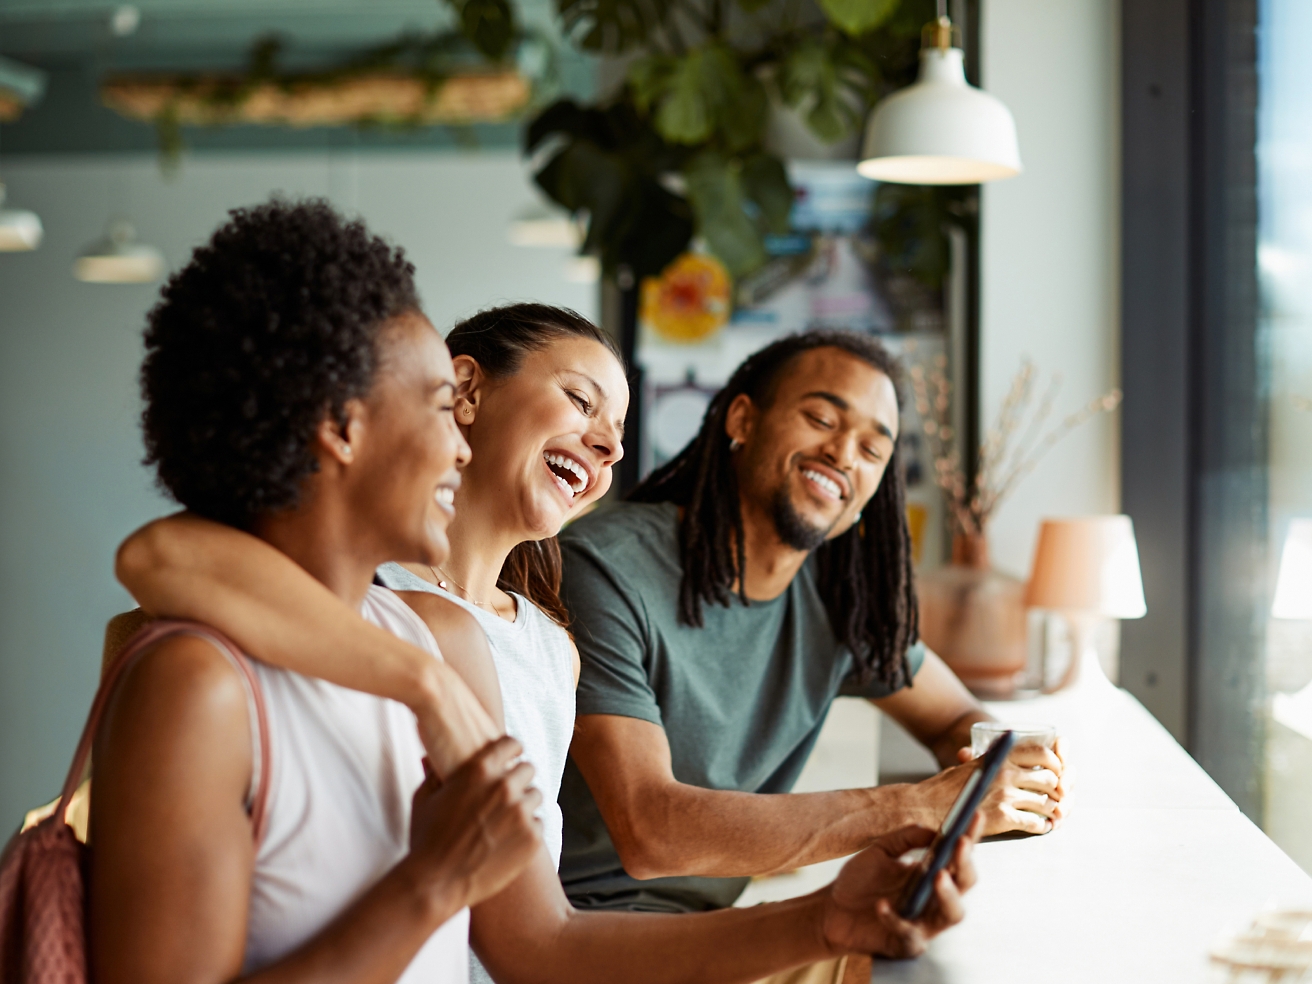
<point x="19" y="229"/>
<point x="941" y="130"/>
<point x="119" y="259"/>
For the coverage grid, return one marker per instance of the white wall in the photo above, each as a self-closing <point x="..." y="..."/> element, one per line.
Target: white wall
<point x="1050" y="254"/>
<point x="71" y="482"/>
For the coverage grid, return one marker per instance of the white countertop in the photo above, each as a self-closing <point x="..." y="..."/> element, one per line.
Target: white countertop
<point x="1154" y="863"/>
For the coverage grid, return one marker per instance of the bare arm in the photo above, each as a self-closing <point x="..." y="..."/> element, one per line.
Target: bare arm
<point x="662" y="827"/>
<point x="183" y="566"/>
<point x="937" y="710"/>
<point x="173" y="763"/>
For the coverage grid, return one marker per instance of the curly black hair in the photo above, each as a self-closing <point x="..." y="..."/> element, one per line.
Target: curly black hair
<point x="271" y="326"/>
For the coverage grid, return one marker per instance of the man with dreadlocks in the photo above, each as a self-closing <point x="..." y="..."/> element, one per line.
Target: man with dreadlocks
<point x="745" y="584"/>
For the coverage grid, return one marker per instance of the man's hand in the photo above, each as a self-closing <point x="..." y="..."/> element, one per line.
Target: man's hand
<point x="1031" y="791"/>
<point x="477" y="831"/>
<point x="860" y="914"/>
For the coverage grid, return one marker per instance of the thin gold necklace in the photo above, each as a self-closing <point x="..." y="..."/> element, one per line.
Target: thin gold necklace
<point x="468" y="596"/>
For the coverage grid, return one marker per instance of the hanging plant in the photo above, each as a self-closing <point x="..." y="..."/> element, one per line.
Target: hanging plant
<point x="679" y="150"/>
<point x="455" y="77"/>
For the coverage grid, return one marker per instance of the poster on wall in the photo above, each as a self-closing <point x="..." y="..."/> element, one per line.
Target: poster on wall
<point x="695" y="326"/>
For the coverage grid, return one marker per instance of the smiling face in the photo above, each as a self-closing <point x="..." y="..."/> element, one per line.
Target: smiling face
<point x="815" y="454"/>
<point x="407" y="449"/>
<point x="546" y="437"/>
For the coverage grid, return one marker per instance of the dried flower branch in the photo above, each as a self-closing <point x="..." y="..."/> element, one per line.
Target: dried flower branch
<point x="1018" y="440"/>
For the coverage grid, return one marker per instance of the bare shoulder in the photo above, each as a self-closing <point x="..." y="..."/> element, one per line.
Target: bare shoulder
<point x="181" y="681"/>
<point x="180" y="712"/>
<point x="463" y="644"/>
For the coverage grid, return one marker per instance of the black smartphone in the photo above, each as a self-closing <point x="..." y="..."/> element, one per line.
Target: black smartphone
<point x="921" y="886"/>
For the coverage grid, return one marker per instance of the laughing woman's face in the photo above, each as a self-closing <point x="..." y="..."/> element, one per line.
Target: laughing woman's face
<point x="546" y="438"/>
<point x="408" y="468"/>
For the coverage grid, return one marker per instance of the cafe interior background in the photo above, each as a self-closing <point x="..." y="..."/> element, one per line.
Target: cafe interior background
<point x="1140" y="293"/>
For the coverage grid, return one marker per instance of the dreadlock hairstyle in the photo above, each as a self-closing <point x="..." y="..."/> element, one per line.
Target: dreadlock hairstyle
<point x="498" y="339"/>
<point x="864" y="575"/>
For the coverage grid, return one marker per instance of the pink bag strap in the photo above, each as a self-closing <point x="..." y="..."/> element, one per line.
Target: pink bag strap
<point x="148" y="636"/>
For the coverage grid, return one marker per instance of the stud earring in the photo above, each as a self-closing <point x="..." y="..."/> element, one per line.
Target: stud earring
<point x="734" y="444"/>
<point x="346" y="452"/>
<point x="468" y="411"/>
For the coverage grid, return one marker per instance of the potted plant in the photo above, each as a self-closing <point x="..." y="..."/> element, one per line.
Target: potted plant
<point x="972" y="615"/>
<point x="680" y="148"/>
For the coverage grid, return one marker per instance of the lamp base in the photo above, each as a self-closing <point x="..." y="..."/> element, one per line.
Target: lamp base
<point x="1085" y="669"/>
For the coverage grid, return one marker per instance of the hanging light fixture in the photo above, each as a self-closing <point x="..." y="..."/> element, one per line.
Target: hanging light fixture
<point x="941" y="130"/>
<point x="119" y="259"/>
<point x="539" y="225"/>
<point x="19" y="229"/>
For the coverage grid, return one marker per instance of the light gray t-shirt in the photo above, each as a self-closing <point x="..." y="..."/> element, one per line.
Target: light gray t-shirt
<point x="741" y="699"/>
<point x="535" y="667"/>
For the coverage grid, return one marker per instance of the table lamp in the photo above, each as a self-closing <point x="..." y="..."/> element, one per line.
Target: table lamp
<point x="1294" y="601"/>
<point x="1086" y="568"/>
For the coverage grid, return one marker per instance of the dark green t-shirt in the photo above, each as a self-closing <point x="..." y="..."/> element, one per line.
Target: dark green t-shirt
<point x="741" y="699"/>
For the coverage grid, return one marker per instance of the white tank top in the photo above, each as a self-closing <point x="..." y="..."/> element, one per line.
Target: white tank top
<point x="345" y="766"/>
<point x="535" y="666"/>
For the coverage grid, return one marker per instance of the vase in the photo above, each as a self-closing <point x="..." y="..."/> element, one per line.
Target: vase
<point x="974" y="618"/>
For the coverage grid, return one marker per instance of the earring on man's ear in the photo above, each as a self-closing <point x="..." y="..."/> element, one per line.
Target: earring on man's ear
<point x="734" y="444"/>
<point x="468" y="410"/>
<point x="346" y="452"/>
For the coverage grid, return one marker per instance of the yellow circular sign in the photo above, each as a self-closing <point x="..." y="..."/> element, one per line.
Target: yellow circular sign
<point x="690" y="300"/>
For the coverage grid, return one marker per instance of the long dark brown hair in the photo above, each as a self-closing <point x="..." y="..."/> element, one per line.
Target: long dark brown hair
<point x="864" y="575"/>
<point x="498" y="339"/>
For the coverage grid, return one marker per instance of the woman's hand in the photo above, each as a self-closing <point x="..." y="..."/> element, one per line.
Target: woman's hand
<point x="477" y="831"/>
<point x="453" y="723"/>
<point x="860" y="914"/>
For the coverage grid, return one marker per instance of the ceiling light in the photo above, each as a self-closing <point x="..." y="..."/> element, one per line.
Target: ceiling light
<point x="941" y="130"/>
<point x="19" y="229"/>
<point x="583" y="269"/>
<point x="119" y="259"/>
<point x="538" y="225"/>
<point x="124" y="21"/>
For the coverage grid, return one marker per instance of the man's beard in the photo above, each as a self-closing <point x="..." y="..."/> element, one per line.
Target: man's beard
<point x="793" y="530"/>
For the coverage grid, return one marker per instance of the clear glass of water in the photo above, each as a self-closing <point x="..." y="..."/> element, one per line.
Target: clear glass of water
<point x="983" y="733"/>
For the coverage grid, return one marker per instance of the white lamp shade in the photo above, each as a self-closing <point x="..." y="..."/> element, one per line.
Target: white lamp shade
<point x="19" y="230"/>
<point x="1294" y="583"/>
<point x="941" y="130"/>
<point x="119" y="259"/>
<point x="1087" y="564"/>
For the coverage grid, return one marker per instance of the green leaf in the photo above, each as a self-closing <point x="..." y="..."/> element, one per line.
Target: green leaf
<point x="765" y="182"/>
<point x="611" y="26"/>
<point x="685" y="113"/>
<point x="715" y="189"/>
<point x="859" y="16"/>
<point x="488" y="24"/>
<point x="706" y="92"/>
<point x="742" y="115"/>
<point x="650" y="79"/>
<point x="810" y="80"/>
